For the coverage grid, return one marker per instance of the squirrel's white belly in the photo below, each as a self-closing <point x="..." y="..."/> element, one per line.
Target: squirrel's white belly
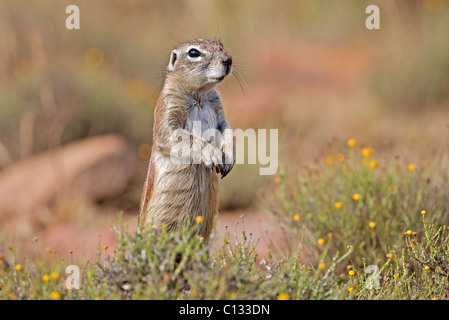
<point x="202" y="121"/>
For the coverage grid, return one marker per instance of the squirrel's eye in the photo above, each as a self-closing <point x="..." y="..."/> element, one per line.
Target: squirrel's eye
<point x="193" y="53"/>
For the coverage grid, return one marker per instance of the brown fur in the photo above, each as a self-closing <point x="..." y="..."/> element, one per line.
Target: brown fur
<point x="175" y="191"/>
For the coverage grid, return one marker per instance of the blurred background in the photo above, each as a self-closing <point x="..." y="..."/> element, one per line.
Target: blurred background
<point x="76" y="106"/>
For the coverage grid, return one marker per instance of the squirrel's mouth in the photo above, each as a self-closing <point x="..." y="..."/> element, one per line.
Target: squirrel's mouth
<point x="218" y="79"/>
<point x="228" y="69"/>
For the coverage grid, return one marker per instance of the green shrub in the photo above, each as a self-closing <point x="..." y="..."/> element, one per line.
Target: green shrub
<point x="155" y="264"/>
<point x="361" y="202"/>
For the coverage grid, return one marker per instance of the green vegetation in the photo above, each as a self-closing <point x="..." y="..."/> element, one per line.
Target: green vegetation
<point x="359" y="223"/>
<point x="355" y="200"/>
<point x="357" y="229"/>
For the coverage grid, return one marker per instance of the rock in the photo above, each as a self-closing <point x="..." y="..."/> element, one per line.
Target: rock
<point x="95" y="167"/>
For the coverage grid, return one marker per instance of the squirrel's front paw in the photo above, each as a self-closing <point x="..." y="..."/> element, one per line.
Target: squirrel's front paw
<point x="228" y="159"/>
<point x="212" y="157"/>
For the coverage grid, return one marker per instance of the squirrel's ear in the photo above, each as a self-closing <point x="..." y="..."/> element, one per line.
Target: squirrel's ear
<point x="173" y="59"/>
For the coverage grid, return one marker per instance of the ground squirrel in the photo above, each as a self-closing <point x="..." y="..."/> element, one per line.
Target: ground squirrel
<point x="188" y="109"/>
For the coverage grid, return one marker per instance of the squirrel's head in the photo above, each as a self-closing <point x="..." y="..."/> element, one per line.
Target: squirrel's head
<point x="199" y="64"/>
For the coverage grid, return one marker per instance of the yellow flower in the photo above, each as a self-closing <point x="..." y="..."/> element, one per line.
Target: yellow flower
<point x="199" y="219"/>
<point x="356" y="196"/>
<point x="372" y="224"/>
<point x="277" y="180"/>
<point x="54" y="275"/>
<point x="329" y="160"/>
<point x="98" y="298"/>
<point x="389" y="255"/>
<point x="366" y="152"/>
<point x="18" y="267"/>
<point x="352" y="143"/>
<point x="55" y="295"/>
<point x="296" y="217"/>
<point x="351" y="273"/>
<point x="373" y="164"/>
<point x="340" y="157"/>
<point x="411" y="167"/>
<point x="434" y="298"/>
<point x="166" y="277"/>
<point x="322" y="265"/>
<point x="93" y="57"/>
<point x="144" y="151"/>
<point x="330" y="234"/>
<point x="105" y="247"/>
<point x="349" y="289"/>
<point x="395" y="276"/>
<point x="423" y="212"/>
<point x="45" y="278"/>
<point x="303" y="266"/>
<point x="426" y="268"/>
<point x="409" y="232"/>
<point x="138" y="89"/>
<point x="201" y="238"/>
<point x="193" y="292"/>
<point x="338" y="204"/>
<point x="283" y="296"/>
<point x="321" y="241"/>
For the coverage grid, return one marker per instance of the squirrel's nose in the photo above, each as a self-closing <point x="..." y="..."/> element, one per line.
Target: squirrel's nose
<point x="227" y="61"/>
